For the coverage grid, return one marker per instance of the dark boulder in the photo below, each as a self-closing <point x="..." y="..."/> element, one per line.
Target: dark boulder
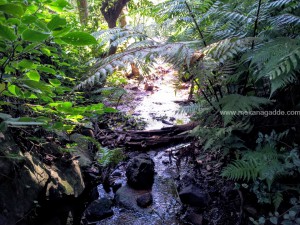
<point x="144" y="200"/>
<point x="193" y="218"/>
<point x="194" y="196"/>
<point x="140" y="172"/>
<point x="98" y="210"/>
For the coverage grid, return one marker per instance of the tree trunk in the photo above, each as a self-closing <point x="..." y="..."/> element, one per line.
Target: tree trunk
<point x="83" y="11"/>
<point x="111" y="12"/>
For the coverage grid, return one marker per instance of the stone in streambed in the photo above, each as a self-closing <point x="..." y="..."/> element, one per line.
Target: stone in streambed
<point x="144" y="200"/>
<point x="98" y="210"/>
<point x="194" y="196"/>
<point x="140" y="172"/>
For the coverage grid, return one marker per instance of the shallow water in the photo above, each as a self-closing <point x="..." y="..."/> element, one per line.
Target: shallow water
<point x="158" y="106"/>
<point x="166" y="203"/>
<point x="155" y="107"/>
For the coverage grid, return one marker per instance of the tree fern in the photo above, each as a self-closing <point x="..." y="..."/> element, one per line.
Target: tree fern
<point x="175" y="53"/>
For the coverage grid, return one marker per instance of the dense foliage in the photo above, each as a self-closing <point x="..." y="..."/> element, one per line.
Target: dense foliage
<point x="239" y="56"/>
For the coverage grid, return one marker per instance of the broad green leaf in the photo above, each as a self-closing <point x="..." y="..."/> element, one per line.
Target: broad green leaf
<point x="38" y="87"/>
<point x="2" y="87"/>
<point x="46" y="51"/>
<point x="13" y="21"/>
<point x="61" y="32"/>
<point x="33" y="75"/>
<point x="19" y="49"/>
<point x="46" y="69"/>
<point x="28" y="94"/>
<point x="27" y="64"/>
<point x="12" y="9"/>
<point x="30" y="47"/>
<point x="3" y="2"/>
<point x="55" y="82"/>
<point x="58" y="125"/>
<point x="42" y="25"/>
<point x="31" y="9"/>
<point x="14" y="90"/>
<point x="79" y="39"/>
<point x="56" y="22"/>
<point x="28" y="19"/>
<point x="58" y="5"/>
<point x="34" y="36"/>
<point x="7" y="33"/>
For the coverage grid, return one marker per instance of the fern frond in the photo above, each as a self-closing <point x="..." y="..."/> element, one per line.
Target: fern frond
<point x="277" y="199"/>
<point x="228" y="48"/>
<point x="279" y="3"/>
<point x="241" y="170"/>
<point x="234" y="103"/>
<point x="286" y="19"/>
<point x="175" y="53"/>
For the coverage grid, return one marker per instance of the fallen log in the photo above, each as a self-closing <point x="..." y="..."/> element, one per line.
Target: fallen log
<point x="148" y="139"/>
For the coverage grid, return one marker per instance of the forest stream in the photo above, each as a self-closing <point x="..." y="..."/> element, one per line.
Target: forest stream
<point x="158" y="108"/>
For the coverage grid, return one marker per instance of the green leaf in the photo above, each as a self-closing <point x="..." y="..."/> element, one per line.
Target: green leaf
<point x="61" y="32"/>
<point x="29" y="19"/>
<point x="7" y="33"/>
<point x="55" y="82"/>
<point x="34" y="36"/>
<point x="14" y="90"/>
<point x="28" y="64"/>
<point x="46" y="51"/>
<point x="46" y="69"/>
<point x="58" y="5"/>
<point x="33" y="75"/>
<point x="56" y="22"/>
<point x="2" y="87"/>
<point x="38" y="87"/>
<point x="79" y="39"/>
<point x="3" y="2"/>
<point x="13" y="21"/>
<point x="12" y="9"/>
<point x="42" y="25"/>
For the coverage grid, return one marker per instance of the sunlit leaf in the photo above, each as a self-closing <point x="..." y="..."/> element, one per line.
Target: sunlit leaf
<point x="79" y="39"/>
<point x="34" y="36"/>
<point x="33" y="75"/>
<point x="56" y="22"/>
<point x="12" y="9"/>
<point x="55" y="82"/>
<point x="7" y="33"/>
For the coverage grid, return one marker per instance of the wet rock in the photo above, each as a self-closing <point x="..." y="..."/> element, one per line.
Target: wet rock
<point x="116" y="185"/>
<point x="144" y="200"/>
<point x="98" y="210"/>
<point x="82" y="150"/>
<point x="126" y="197"/>
<point x="34" y="180"/>
<point x="165" y="161"/>
<point x="116" y="173"/>
<point x="194" y="196"/>
<point x="193" y="218"/>
<point x="140" y="172"/>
